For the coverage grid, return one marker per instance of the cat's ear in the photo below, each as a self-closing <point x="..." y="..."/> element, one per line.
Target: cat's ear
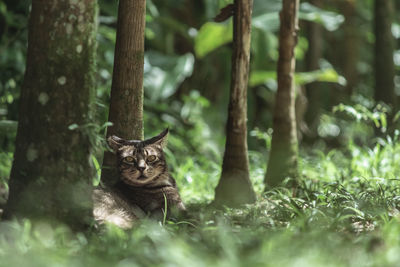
<point x="160" y="140"/>
<point x="115" y="142"/>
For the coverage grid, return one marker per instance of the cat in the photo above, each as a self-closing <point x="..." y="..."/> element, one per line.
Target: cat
<point x="145" y="186"/>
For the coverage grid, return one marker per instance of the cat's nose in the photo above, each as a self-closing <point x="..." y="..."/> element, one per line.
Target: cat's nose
<point x="141" y="165"/>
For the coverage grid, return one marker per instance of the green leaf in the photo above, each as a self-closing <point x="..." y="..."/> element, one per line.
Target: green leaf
<point x="211" y="36"/>
<point x="96" y="179"/>
<point x="382" y="118"/>
<point x="151" y="9"/>
<point x="268" y="22"/>
<point x="397" y="116"/>
<point x="261" y="77"/>
<point x="330" y="20"/>
<point x="73" y="126"/>
<point x="301" y="78"/>
<point x="164" y="73"/>
<point x="266" y="15"/>
<point x="107" y="33"/>
<point x="326" y="75"/>
<point x="261" y="7"/>
<point x="361" y="113"/>
<point x="265" y="18"/>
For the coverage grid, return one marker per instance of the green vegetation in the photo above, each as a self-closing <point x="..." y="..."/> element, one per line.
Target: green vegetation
<point x="346" y="210"/>
<point x="345" y="213"/>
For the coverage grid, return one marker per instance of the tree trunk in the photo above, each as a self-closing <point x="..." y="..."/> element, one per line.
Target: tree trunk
<point x="351" y="47"/>
<point x="126" y="104"/>
<point x="234" y="187"/>
<point x="313" y="90"/>
<point x="52" y="172"/>
<point x="384" y="48"/>
<point x="284" y="148"/>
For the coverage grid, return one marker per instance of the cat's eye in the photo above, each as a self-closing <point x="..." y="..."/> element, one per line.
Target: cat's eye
<point x="128" y="159"/>
<point x="151" y="158"/>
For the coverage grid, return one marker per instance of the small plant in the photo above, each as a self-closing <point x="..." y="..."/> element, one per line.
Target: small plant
<point x="378" y="115"/>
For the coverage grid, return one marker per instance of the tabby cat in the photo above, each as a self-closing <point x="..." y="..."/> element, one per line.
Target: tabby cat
<point x="144" y="185"/>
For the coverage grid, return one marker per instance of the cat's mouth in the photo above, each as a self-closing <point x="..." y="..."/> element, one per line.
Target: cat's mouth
<point x="142" y="177"/>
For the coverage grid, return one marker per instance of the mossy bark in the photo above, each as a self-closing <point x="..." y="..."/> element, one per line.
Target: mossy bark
<point x="126" y="104"/>
<point x="234" y="187"/>
<point x="52" y="172"/>
<point x="384" y="48"/>
<point x="284" y="146"/>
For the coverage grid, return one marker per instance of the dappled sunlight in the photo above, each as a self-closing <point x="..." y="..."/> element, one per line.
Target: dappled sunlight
<point x="199" y="133"/>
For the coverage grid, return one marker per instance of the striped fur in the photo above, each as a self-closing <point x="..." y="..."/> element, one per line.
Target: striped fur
<point x="144" y="184"/>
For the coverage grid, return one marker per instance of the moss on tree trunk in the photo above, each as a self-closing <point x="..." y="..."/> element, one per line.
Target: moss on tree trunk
<point x="52" y="172"/>
<point x="234" y="187"/>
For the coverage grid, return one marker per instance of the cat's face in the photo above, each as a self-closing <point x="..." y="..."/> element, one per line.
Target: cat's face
<point x="140" y="162"/>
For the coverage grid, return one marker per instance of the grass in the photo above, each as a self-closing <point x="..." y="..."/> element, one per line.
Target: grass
<point x="346" y="213"/>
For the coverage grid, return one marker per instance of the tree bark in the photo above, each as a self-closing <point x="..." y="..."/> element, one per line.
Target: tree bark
<point x="384" y="48"/>
<point x="52" y="172"/>
<point x="313" y="90"/>
<point x="126" y="104"/>
<point x="351" y="45"/>
<point x="234" y="187"/>
<point x="284" y="148"/>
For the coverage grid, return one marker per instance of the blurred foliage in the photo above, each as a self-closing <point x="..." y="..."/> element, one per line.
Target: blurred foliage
<point x="268" y="78"/>
<point x="346" y="211"/>
<point x="186" y="55"/>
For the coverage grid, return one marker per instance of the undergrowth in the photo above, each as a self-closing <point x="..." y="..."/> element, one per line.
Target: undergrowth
<point x="345" y="213"/>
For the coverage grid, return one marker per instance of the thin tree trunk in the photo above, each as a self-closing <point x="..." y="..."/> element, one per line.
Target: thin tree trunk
<point x="351" y="45"/>
<point x="234" y="187"/>
<point x="284" y="148"/>
<point x="126" y="104"/>
<point x="52" y="172"/>
<point x="313" y="56"/>
<point x="384" y="48"/>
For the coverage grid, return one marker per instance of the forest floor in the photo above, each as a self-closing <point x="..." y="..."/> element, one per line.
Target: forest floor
<point x="346" y="213"/>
